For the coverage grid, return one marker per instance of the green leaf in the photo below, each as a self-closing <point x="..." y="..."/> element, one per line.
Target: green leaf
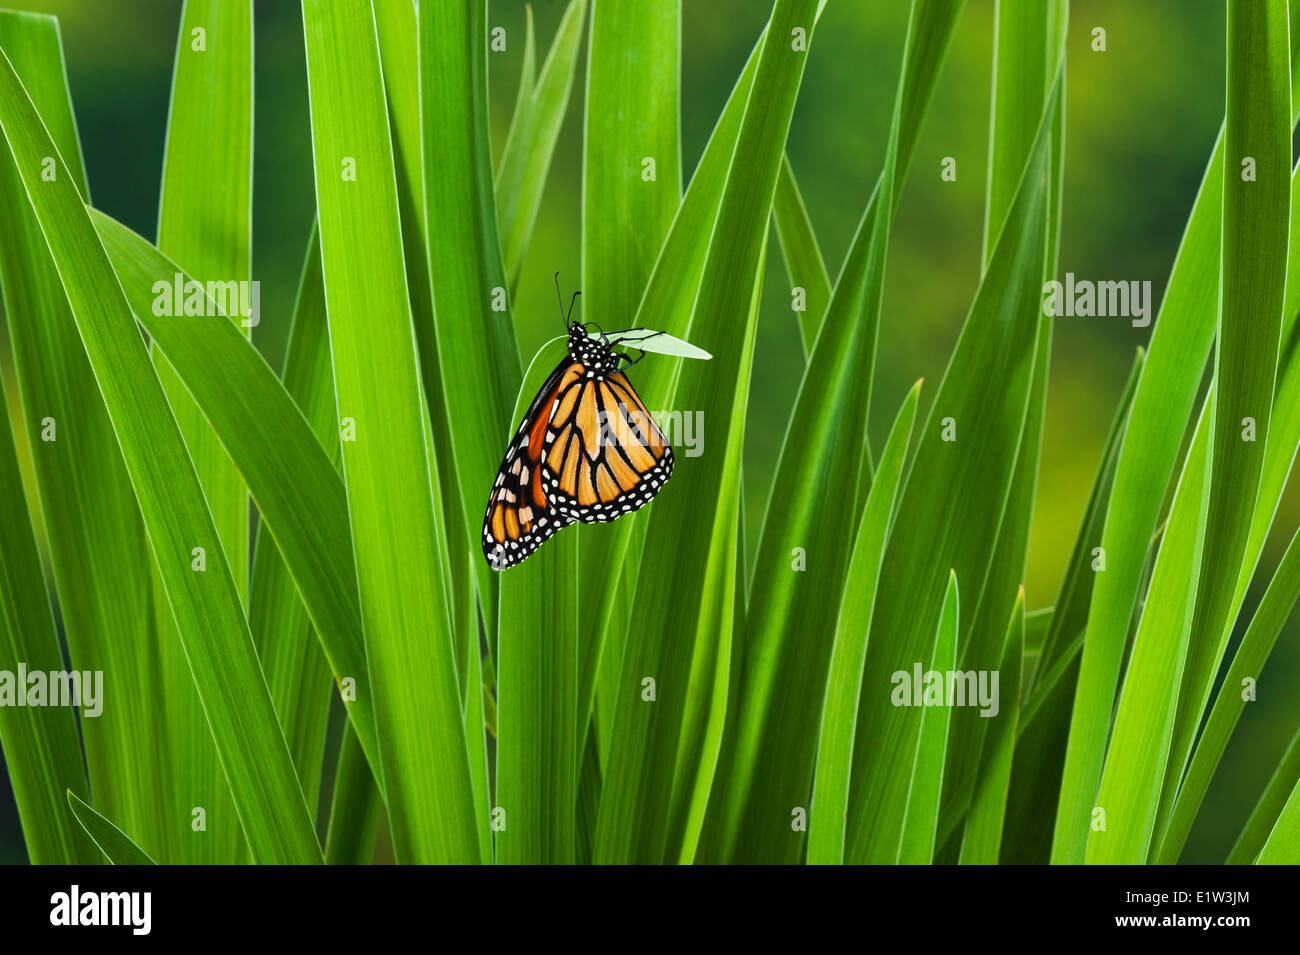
<point x="298" y="492"/>
<point x="671" y="290"/>
<point x="209" y="617"/>
<point x="478" y="705"/>
<point x="476" y="344"/>
<point x="1044" y="723"/>
<point x="921" y="814"/>
<point x="1165" y="397"/>
<point x="398" y="52"/>
<point x="112" y="841"/>
<point x="1136" y="759"/>
<point x="982" y="837"/>
<point x="1283" y="845"/>
<point x="537" y="685"/>
<point x="713" y="674"/>
<point x="699" y="507"/>
<point x="1269" y="807"/>
<point x="803" y="256"/>
<point x="388" y="468"/>
<point x="531" y="142"/>
<point x="659" y="343"/>
<point x="1279" y="452"/>
<point x="1026" y="57"/>
<point x="205" y="225"/>
<point x="41" y="750"/>
<point x="522" y="117"/>
<point x="1256" y="220"/>
<point x="1256" y="645"/>
<point x="297" y="671"/>
<point x="98" y="552"/>
<point x="1071" y="615"/>
<point x="633" y="103"/>
<point x="952" y="505"/>
<point x="1029" y="55"/>
<point x="355" y="807"/>
<point x="789" y="636"/>
<point x="1037" y="624"/>
<point x="839" y="719"/>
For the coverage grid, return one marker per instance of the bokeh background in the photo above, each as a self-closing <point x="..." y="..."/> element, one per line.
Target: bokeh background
<point x="1141" y="122"/>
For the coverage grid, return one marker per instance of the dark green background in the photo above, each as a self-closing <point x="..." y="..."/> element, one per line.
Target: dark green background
<point x="1141" y="121"/>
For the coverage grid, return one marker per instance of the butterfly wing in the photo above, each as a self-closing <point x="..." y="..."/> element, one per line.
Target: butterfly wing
<point x="605" y="456"/>
<point x="520" y="514"/>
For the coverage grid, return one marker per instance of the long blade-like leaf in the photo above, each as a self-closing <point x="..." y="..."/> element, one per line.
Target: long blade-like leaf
<point x="537" y="681"/>
<point x="1265" y="627"/>
<point x="389" y="466"/>
<point x="1269" y="807"/>
<point x="205" y="225"/>
<point x="632" y="114"/>
<point x="1129" y="793"/>
<point x="1256" y="223"/>
<point x="98" y="552"/>
<point x="951" y="508"/>
<point x="803" y="256"/>
<point x="982" y="836"/>
<point x="830" y="796"/>
<point x="921" y="817"/>
<point x="294" y="484"/>
<point x="1165" y="398"/>
<point x="701" y="502"/>
<point x="477" y="352"/>
<point x="775" y="727"/>
<point x="41" y="751"/>
<point x="1029" y="54"/>
<point x="297" y="670"/>
<point x="188" y="553"/>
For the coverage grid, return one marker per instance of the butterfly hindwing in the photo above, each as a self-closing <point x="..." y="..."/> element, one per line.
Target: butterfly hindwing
<point x="520" y="515"/>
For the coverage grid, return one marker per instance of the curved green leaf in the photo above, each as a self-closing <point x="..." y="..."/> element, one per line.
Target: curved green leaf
<point x="830" y="795"/>
<point x="209" y="616"/>
<point x="42" y="754"/>
<point x="98" y="551"/>
<point x="293" y="482"/>
<point x="112" y="841"/>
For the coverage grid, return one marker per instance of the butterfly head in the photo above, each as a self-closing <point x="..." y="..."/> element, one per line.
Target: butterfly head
<point x="591" y="352"/>
<point x="594" y="353"/>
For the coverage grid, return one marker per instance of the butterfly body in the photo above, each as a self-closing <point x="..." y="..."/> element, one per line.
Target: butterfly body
<point x="586" y="451"/>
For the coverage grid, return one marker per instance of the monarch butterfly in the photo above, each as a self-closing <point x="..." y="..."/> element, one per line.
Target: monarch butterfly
<point x="587" y="450"/>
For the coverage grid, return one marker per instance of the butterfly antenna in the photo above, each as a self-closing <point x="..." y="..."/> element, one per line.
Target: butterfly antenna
<point x="560" y="301"/>
<point x="571" y="304"/>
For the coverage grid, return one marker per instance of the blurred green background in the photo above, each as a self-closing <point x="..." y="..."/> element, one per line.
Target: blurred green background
<point x="1141" y="121"/>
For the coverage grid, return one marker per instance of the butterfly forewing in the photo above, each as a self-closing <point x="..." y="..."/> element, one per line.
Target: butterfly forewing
<point x="607" y="456"/>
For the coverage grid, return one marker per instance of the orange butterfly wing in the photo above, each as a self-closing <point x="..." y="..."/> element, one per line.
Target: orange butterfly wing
<point x="606" y="456"/>
<point x="520" y="515"/>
